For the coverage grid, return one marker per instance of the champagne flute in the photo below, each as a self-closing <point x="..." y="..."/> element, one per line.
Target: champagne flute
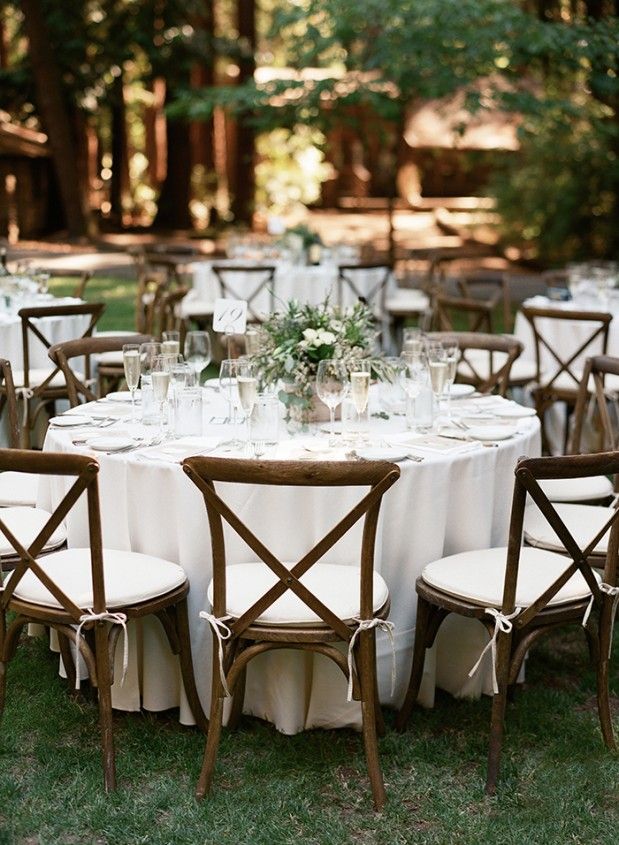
<point x="360" y="386"/>
<point x="171" y="343"/>
<point x="161" y="383"/>
<point x="131" y="364"/>
<point x="247" y="386"/>
<point x="198" y="351"/>
<point x="437" y="366"/>
<point x="452" y="352"/>
<point x="331" y="384"/>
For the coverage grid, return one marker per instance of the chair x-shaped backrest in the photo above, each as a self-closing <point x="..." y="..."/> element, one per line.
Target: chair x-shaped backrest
<point x="502" y="352"/>
<point x="8" y="398"/>
<point x="597" y="333"/>
<point x="367" y="282"/>
<point x="378" y="475"/>
<point x="63" y="353"/>
<point x="528" y="473"/>
<point x="85" y="469"/>
<point x="475" y="312"/>
<point x="238" y="281"/>
<point x="596" y="369"/>
<point x="30" y="327"/>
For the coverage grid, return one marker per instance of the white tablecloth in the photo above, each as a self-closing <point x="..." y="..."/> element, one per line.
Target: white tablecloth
<point x="305" y="283"/>
<point x="56" y="329"/>
<point x="446" y="504"/>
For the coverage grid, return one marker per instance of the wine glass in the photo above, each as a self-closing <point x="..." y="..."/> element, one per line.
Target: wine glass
<point x="148" y="352"/>
<point x="198" y="351"/>
<point x="411" y="376"/>
<point x="331" y="384"/>
<point x="161" y="382"/>
<point x="452" y="353"/>
<point x="131" y="363"/>
<point x="247" y="386"/>
<point x="437" y="366"/>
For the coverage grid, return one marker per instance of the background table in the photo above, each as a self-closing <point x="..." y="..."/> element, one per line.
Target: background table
<point x="446" y="504"/>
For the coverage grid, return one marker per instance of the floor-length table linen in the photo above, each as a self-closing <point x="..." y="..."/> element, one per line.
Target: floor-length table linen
<point x="443" y="505"/>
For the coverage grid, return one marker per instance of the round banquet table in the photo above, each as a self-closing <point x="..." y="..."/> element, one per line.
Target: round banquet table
<point x="454" y="500"/>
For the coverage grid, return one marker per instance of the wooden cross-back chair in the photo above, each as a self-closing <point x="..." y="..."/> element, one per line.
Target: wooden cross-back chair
<point x="168" y="315"/>
<point x="63" y="354"/>
<point x="249" y="614"/>
<point x="491" y="287"/>
<point x="16" y="490"/>
<point x="40" y="386"/>
<point x="88" y="595"/>
<point x="452" y="313"/>
<point x="521" y="593"/>
<point x="366" y="282"/>
<point x="558" y="375"/>
<point x="247" y="281"/>
<point x="486" y="360"/>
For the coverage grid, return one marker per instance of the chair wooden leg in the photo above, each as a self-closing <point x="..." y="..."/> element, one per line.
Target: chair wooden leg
<point x="497" y="720"/>
<point x="104" y="687"/>
<point x="424" y="612"/>
<point x="214" y="730"/>
<point x="238" y="699"/>
<point x="67" y="660"/>
<point x="366" y="669"/>
<point x="186" y="664"/>
<point x="603" y="696"/>
<point x="3" y="662"/>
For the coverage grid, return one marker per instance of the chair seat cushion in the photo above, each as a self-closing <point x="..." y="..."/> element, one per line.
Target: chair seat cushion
<point x="407" y="301"/>
<point x="583" y="522"/>
<point x="577" y="489"/>
<point x="18" y="488"/>
<point x="37" y="375"/>
<point x="335" y="585"/>
<point x="25" y="523"/>
<point x="478" y="577"/>
<point x="109" y="359"/>
<point x="130" y="578"/>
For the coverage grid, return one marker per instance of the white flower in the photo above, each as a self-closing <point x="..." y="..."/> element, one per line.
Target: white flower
<point x="310" y="335"/>
<point x="326" y="338"/>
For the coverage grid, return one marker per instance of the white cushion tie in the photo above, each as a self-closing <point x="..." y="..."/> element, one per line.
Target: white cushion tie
<point x="24" y="393"/>
<point x="502" y="622"/>
<point x="610" y="591"/>
<point x="367" y="625"/>
<point x="222" y="632"/>
<point x="106" y="616"/>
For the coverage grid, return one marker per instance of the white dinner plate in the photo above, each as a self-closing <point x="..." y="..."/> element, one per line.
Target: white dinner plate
<point x="70" y="421"/>
<point x="110" y="444"/>
<point x="491" y="432"/>
<point x="513" y="412"/>
<point x="122" y="396"/>
<point x="381" y="453"/>
<point x="459" y="391"/>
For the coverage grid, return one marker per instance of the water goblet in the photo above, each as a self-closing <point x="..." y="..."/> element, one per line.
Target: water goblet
<point x="331" y="386"/>
<point x="131" y="364"/>
<point x="198" y="351"/>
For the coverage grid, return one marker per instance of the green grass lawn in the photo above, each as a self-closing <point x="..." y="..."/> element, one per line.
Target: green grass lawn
<point x="118" y="295"/>
<point x="558" y="783"/>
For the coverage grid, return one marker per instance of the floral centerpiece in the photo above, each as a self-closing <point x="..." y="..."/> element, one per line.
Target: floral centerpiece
<point x="296" y="339"/>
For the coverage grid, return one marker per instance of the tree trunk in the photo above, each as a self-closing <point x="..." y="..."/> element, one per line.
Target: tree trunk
<point x="56" y="120"/>
<point x="203" y="132"/>
<point x="173" y="205"/>
<point x="244" y="187"/>
<point x="120" y="160"/>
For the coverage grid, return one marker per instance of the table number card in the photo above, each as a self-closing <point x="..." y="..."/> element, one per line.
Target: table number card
<point x="230" y="316"/>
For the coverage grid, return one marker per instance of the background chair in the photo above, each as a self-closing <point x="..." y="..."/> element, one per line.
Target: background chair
<point x="247" y="281"/>
<point x="16" y="488"/>
<point x="491" y="287"/>
<point x="557" y="377"/>
<point x="41" y="387"/>
<point x="62" y="354"/>
<point x="486" y="360"/>
<point x="310" y="605"/>
<point x="520" y="594"/>
<point x="88" y="593"/>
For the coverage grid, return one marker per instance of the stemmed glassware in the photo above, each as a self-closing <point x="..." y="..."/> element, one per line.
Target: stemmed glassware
<point x="331" y="386"/>
<point x="171" y="343"/>
<point x="437" y="366"/>
<point x="452" y="353"/>
<point x="360" y="374"/>
<point x="228" y="372"/>
<point x="247" y="386"/>
<point x="131" y="364"/>
<point x="411" y="376"/>
<point x="161" y="383"/>
<point x="198" y="351"/>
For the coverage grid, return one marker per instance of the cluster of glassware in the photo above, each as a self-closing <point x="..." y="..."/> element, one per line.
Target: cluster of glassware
<point x="169" y="381"/>
<point x="592" y="282"/>
<point x="288" y="248"/>
<point x="21" y="289"/>
<point x="239" y="385"/>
